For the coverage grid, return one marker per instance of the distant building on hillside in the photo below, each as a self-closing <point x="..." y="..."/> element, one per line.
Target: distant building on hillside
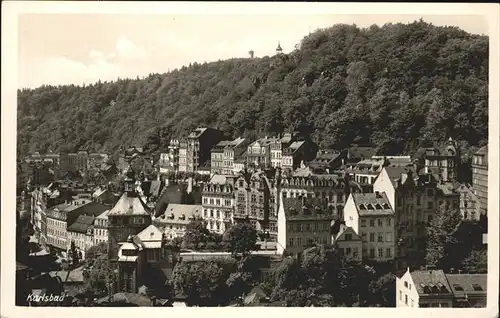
<point x="196" y="150"/>
<point x="480" y="177"/>
<point x="443" y="162"/>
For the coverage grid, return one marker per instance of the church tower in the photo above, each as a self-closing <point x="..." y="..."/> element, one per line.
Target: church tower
<point x="279" y="50"/>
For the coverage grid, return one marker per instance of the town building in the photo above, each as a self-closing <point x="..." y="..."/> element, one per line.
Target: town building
<point x="101" y="228"/>
<point x="348" y="243"/>
<point x="372" y="218"/>
<point x="252" y="191"/>
<point x="174" y="221"/>
<point x="414" y="200"/>
<point x="302" y="222"/>
<point x="434" y="288"/>
<point x="142" y="260"/>
<point x="61" y="216"/>
<point x="259" y="152"/>
<point x="277" y="145"/>
<point x="218" y="204"/>
<point x="469" y="290"/>
<point x="169" y="161"/>
<point x="443" y="162"/>
<point x="240" y="164"/>
<point x="129" y="216"/>
<point x="469" y="203"/>
<point x="328" y="159"/>
<point x="297" y="152"/>
<point x="182" y="155"/>
<point x="198" y="145"/>
<point x="480" y="177"/>
<point x="217" y="157"/>
<point x="232" y="152"/>
<point x="81" y="233"/>
<point x="423" y="288"/>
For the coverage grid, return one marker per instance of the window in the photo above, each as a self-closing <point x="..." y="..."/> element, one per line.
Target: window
<point x="457" y="287"/>
<point x="372" y="253"/>
<point x="363" y="223"/>
<point x="406" y="299"/>
<point x="299" y="241"/>
<point x="290" y="242"/>
<point x="430" y="205"/>
<point x="372" y="237"/>
<point x="477" y="287"/>
<point x="388" y="237"/>
<point x="372" y="222"/>
<point x="363" y="237"/>
<point x="388" y="222"/>
<point x="348" y="237"/>
<point x="400" y="295"/>
<point x="380" y="237"/>
<point x="348" y="251"/>
<point x="379" y="222"/>
<point x="388" y="252"/>
<point x="412" y="303"/>
<point x="380" y="252"/>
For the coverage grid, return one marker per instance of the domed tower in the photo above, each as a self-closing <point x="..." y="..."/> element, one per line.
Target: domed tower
<point x="129" y="183"/>
<point x="279" y="50"/>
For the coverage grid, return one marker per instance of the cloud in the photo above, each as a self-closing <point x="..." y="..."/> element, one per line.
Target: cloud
<point x="128" y="50"/>
<point x="93" y="54"/>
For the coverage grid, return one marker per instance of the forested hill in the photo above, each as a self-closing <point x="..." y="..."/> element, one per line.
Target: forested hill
<point x="397" y="86"/>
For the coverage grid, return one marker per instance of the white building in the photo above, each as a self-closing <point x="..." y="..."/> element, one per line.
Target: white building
<point x="101" y="228"/>
<point x="174" y="221"/>
<point x="218" y="204"/>
<point x="423" y="288"/>
<point x="81" y="233"/>
<point x="372" y="218"/>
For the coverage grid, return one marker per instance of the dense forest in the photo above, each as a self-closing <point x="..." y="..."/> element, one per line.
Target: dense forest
<point x="397" y="86"/>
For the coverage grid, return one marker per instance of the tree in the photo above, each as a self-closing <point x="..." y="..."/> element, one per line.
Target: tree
<point x="476" y="262"/>
<point x="100" y="277"/>
<point x="196" y="233"/>
<point x="96" y="251"/>
<point x="75" y="254"/>
<point x="383" y="291"/>
<point x="203" y="283"/>
<point x="440" y="237"/>
<point x="241" y="238"/>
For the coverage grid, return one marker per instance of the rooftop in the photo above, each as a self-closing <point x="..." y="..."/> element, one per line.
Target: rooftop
<point x="430" y="282"/>
<point x="372" y="204"/>
<point x="468" y="283"/>
<point x="218" y="179"/>
<point x="180" y="213"/>
<point x="306" y="208"/>
<point x="128" y="205"/>
<point x="482" y="151"/>
<point x="82" y="223"/>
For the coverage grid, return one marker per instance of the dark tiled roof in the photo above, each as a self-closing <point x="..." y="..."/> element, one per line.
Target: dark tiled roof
<point x="372" y="204"/>
<point x="82" y="223"/>
<point x="468" y="283"/>
<point x="429" y="281"/>
<point x="311" y="208"/>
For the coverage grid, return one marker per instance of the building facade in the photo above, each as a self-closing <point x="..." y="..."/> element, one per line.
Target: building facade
<point x="128" y="217"/>
<point x="233" y="152"/>
<point x="480" y="177"/>
<point x="443" y="161"/>
<point x="259" y="152"/>
<point x="372" y="218"/>
<point x="302" y="222"/>
<point x="218" y="206"/>
<point x="81" y="234"/>
<point x="349" y="244"/>
<point x="469" y="203"/>
<point x="101" y="228"/>
<point x="198" y="145"/>
<point x="174" y="221"/>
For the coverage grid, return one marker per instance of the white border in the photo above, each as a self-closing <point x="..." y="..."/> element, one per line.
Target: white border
<point x="10" y="12"/>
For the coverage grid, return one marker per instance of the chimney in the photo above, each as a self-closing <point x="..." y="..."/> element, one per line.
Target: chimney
<point x="377" y="194"/>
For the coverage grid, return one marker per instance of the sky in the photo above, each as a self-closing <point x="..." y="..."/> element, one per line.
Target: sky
<point x="84" y="48"/>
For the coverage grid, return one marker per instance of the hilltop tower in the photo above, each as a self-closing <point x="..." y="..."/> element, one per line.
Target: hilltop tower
<point x="279" y="50"/>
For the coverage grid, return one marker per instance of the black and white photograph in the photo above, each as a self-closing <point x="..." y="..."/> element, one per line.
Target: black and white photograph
<point x="260" y="157"/>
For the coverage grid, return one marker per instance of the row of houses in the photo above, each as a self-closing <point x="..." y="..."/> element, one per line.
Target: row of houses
<point x="81" y="160"/>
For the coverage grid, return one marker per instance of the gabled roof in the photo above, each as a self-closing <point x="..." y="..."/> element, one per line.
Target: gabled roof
<point x="218" y="179"/>
<point x="347" y="230"/>
<point x="82" y="223"/>
<point x="372" y="204"/>
<point x="103" y="215"/>
<point x="151" y="233"/>
<point x="128" y="205"/>
<point x="428" y="282"/>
